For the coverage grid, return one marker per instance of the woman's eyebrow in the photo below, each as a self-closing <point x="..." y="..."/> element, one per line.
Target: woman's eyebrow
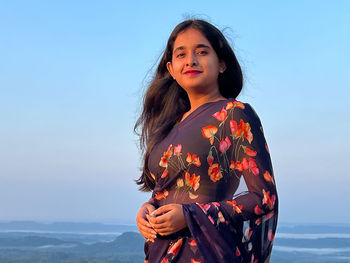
<point x="197" y="46"/>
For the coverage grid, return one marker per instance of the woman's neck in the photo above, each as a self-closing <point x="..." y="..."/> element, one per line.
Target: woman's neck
<point x="197" y="100"/>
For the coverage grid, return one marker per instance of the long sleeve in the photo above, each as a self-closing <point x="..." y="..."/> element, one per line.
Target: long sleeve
<point x="240" y="229"/>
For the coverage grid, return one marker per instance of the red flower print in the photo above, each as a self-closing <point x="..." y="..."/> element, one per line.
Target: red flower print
<point x="267" y="148"/>
<point x="209" y="132"/>
<point x="241" y="130"/>
<point x="192" y="181"/>
<point x="237" y="208"/>
<point x="214" y="172"/>
<point x="165" y="260"/>
<point x="238" y="253"/>
<point x="210" y="159"/>
<point x="202" y="207"/>
<point x="270" y="235"/>
<point x="207" y="207"/>
<point x="175" y="248"/>
<point x="269" y="200"/>
<point x="161" y="195"/>
<point x="220" y="115"/>
<point x="192" y="243"/>
<point x="211" y="220"/>
<point x="165" y="173"/>
<point x="249" y="151"/>
<point x="224" y="144"/>
<point x="258" y="210"/>
<point x="245" y="164"/>
<point x="166" y="156"/>
<point x="253" y="167"/>
<point x="177" y="149"/>
<point x="193" y="159"/>
<point x="268" y="177"/>
<point x="195" y="261"/>
<point x="232" y="104"/>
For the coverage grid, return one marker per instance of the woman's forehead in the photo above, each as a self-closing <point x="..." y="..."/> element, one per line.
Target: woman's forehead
<point x="190" y="38"/>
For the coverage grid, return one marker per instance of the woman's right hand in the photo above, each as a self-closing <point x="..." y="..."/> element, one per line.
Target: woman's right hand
<point x="143" y="225"/>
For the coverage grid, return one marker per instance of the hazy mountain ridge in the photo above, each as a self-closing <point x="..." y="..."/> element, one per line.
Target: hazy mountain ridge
<point x="127" y="248"/>
<point x="296" y="243"/>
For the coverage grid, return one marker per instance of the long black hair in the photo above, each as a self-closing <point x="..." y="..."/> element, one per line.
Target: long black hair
<point x="165" y="101"/>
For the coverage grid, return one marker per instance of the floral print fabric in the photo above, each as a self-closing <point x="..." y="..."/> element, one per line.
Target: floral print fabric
<point x="216" y="163"/>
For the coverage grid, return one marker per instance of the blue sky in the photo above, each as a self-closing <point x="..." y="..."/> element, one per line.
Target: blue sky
<point x="71" y="78"/>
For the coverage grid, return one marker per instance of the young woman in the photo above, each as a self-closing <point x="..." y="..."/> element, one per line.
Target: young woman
<point x="205" y="157"/>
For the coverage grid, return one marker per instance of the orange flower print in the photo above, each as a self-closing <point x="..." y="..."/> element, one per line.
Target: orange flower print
<point x="232" y="165"/>
<point x="177" y="149"/>
<point x="241" y="130"/>
<point x="161" y="195"/>
<point x="209" y="132"/>
<point x="220" y="115"/>
<point x="221" y="218"/>
<point x="253" y="167"/>
<point x="165" y="260"/>
<point x="175" y="248"/>
<point x="268" y="177"/>
<point x="268" y="200"/>
<point x="193" y="159"/>
<point x="224" y="144"/>
<point x="166" y="156"/>
<point x="195" y="261"/>
<point x="153" y="176"/>
<point x="214" y="172"/>
<point x="249" y="151"/>
<point x="232" y="104"/>
<point x="192" y="181"/>
<point x="237" y="208"/>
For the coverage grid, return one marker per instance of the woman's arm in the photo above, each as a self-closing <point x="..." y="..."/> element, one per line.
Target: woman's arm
<point x="245" y="225"/>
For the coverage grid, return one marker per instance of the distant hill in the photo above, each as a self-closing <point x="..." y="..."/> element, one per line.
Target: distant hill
<point x="126" y="248"/>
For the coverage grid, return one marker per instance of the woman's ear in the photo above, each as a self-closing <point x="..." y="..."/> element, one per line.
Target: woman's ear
<point x="222" y="66"/>
<point x="169" y="66"/>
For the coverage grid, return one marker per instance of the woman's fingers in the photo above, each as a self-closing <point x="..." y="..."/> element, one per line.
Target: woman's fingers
<point x="143" y="222"/>
<point x="147" y="232"/>
<point x="162" y="210"/>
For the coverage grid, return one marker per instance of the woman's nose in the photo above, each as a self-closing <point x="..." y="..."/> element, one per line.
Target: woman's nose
<point x="191" y="60"/>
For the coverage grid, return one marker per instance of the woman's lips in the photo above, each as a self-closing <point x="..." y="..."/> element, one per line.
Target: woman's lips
<point x="192" y="72"/>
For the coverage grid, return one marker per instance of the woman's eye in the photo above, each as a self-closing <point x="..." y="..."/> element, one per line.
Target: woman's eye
<point x="202" y="52"/>
<point x="180" y="55"/>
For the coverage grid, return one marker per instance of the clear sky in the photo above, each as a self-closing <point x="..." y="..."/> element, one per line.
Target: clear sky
<point x="71" y="78"/>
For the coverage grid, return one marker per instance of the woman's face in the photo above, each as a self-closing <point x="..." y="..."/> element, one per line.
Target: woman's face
<point x="195" y="65"/>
